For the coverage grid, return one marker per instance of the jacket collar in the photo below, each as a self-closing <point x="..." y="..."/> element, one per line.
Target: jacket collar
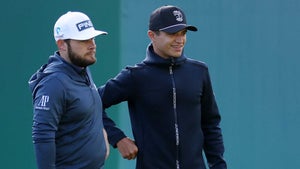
<point x="57" y="61"/>
<point x="153" y="58"/>
<point x="57" y="64"/>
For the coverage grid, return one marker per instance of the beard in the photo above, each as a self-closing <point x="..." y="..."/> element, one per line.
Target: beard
<point x="79" y="60"/>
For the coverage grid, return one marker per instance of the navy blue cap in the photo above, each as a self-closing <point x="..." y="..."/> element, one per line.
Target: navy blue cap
<point x="170" y="19"/>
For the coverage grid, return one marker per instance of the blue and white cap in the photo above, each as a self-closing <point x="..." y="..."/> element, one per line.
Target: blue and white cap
<point x="76" y="26"/>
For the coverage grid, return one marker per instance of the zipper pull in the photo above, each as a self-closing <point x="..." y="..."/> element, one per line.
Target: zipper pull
<point x="171" y="69"/>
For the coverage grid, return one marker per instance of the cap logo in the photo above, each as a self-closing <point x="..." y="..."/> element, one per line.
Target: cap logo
<point x="84" y="25"/>
<point x="57" y="30"/>
<point x="178" y="16"/>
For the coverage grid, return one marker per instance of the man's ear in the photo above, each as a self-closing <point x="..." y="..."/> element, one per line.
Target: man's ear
<point x="151" y="34"/>
<point x="62" y="45"/>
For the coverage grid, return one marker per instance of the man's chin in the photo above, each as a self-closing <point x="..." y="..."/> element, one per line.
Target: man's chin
<point x="92" y="58"/>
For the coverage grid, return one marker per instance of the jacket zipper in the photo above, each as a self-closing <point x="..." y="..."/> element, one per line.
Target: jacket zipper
<point x="175" y="116"/>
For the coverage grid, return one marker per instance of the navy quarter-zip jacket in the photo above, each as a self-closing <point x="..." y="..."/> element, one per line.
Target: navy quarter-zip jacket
<point x="173" y="113"/>
<point x="67" y="117"/>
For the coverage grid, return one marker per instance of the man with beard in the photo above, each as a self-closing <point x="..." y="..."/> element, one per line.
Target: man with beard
<point x="67" y="128"/>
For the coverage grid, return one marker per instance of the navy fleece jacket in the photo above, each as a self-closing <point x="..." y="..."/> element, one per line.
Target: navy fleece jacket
<point x="173" y="112"/>
<point x="67" y="117"/>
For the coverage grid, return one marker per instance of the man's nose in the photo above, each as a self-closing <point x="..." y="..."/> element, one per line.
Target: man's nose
<point x="92" y="43"/>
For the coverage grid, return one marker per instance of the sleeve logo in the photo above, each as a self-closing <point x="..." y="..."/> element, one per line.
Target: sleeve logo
<point x="42" y="103"/>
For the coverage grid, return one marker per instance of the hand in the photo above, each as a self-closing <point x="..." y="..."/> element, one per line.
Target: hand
<point x="127" y="148"/>
<point x="107" y="144"/>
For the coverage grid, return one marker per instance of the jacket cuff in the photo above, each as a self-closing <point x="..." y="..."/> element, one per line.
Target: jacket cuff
<point x="113" y="140"/>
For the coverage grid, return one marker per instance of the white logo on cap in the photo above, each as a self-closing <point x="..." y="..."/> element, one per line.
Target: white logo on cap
<point x="178" y="16"/>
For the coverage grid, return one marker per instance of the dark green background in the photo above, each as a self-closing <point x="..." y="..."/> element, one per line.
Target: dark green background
<point x="251" y="47"/>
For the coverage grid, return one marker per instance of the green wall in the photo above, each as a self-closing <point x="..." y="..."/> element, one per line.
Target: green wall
<point x="251" y="48"/>
<point x="27" y="41"/>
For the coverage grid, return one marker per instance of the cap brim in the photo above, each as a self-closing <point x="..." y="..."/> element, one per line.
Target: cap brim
<point x="90" y="35"/>
<point x="101" y="32"/>
<point x="178" y="28"/>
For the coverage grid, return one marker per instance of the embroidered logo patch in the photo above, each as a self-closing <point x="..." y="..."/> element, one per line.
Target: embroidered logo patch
<point x="42" y="104"/>
<point x="84" y="25"/>
<point x="58" y="32"/>
<point x="178" y="16"/>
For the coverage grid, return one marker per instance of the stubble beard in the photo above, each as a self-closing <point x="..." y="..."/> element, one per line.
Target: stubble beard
<point x="78" y="60"/>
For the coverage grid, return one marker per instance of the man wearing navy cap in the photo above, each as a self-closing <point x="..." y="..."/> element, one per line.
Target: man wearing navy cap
<point x="173" y="111"/>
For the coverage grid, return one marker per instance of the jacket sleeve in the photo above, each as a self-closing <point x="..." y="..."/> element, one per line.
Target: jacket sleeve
<point x="115" y="91"/>
<point x="47" y="107"/>
<point x="113" y="132"/>
<point x="213" y="139"/>
<point x="45" y="155"/>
